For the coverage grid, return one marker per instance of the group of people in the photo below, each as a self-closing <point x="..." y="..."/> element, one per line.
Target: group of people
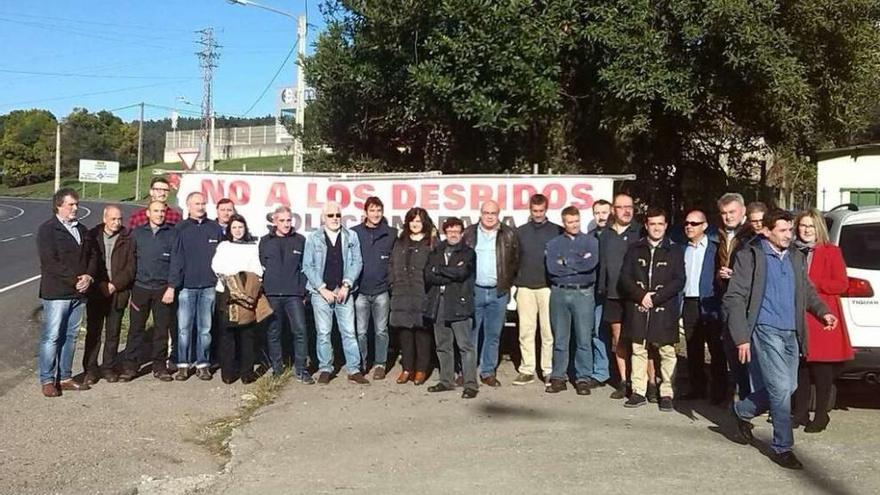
<point x="760" y="292"/>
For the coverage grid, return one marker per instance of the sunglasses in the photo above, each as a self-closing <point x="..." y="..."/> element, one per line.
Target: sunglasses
<point x="694" y="224"/>
<point x="334" y="215"/>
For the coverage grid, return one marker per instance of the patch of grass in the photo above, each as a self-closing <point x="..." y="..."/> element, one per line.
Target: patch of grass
<point x="215" y="436"/>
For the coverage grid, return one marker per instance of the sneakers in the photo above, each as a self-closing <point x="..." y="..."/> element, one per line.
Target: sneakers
<point x="555" y="386"/>
<point x="204" y="374"/>
<point x="162" y="375"/>
<point x="379" y="373"/>
<point x="620" y="391"/>
<point x="653" y="393"/>
<point x="787" y="460"/>
<point x="305" y="379"/>
<point x="182" y="374"/>
<point x="324" y="378"/>
<point x="440" y="387"/>
<point x="358" y="378"/>
<point x="635" y="400"/>
<point x="666" y="404"/>
<point x="583" y="388"/>
<point x="523" y="379"/>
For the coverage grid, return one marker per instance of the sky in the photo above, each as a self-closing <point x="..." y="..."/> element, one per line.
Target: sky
<point x="104" y="55"/>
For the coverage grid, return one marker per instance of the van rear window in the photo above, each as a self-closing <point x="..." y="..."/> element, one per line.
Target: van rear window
<point x="860" y="244"/>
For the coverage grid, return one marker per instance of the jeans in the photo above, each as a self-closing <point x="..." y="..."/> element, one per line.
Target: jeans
<point x="288" y="312"/>
<point x="489" y="313"/>
<point x="774" y="370"/>
<point x="447" y="334"/>
<point x="377" y="306"/>
<point x="195" y="305"/>
<point x="143" y="303"/>
<point x="61" y="318"/>
<point x="601" y="343"/>
<point x="100" y="311"/>
<point x="572" y="311"/>
<point x="344" y="312"/>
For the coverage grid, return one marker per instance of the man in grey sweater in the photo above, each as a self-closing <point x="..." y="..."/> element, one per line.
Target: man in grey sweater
<point x="766" y="303"/>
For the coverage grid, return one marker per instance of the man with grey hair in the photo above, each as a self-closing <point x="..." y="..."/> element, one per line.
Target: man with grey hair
<point x="332" y="263"/>
<point x="281" y="254"/>
<point x="734" y="233"/>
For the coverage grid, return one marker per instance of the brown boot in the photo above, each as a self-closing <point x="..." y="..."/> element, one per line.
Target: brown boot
<point x="420" y="378"/>
<point x="403" y="377"/>
<point x="50" y="390"/>
<point x="71" y="385"/>
<point x="379" y="373"/>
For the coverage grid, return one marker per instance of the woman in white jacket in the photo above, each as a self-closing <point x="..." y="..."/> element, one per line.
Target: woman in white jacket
<point x="237" y="256"/>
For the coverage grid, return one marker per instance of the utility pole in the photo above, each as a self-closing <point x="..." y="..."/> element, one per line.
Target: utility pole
<point x="57" y="156"/>
<point x="137" y="175"/>
<point x="208" y="62"/>
<point x="300" y="93"/>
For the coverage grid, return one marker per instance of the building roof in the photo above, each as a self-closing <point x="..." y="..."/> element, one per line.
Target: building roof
<point x="869" y="149"/>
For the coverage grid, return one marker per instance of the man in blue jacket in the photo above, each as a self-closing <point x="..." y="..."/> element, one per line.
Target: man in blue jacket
<point x="332" y="263"/>
<point x="191" y="274"/>
<point x="281" y="254"/>
<point x="572" y="261"/>
<point x="701" y="311"/>
<point x="372" y="302"/>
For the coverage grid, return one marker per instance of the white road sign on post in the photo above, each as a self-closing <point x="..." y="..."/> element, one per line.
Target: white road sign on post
<point x="189" y="157"/>
<point x="100" y="171"/>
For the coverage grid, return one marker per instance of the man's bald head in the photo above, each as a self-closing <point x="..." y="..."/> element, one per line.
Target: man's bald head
<point x="489" y="213"/>
<point x="112" y="219"/>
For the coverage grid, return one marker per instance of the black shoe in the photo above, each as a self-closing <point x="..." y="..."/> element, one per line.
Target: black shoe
<point x="595" y="383"/>
<point x="787" y="460"/>
<point x="620" y="391"/>
<point x="744" y="429"/>
<point x="182" y="374"/>
<point x="162" y="375"/>
<point x="798" y="422"/>
<point x="204" y="374"/>
<point x="440" y="387"/>
<point x="306" y="379"/>
<point x="583" y="388"/>
<point x="653" y="394"/>
<point x="127" y="375"/>
<point x="666" y="404"/>
<point x="816" y="426"/>
<point x="249" y="378"/>
<point x="635" y="400"/>
<point x="555" y="386"/>
<point x="229" y="380"/>
<point x="469" y="393"/>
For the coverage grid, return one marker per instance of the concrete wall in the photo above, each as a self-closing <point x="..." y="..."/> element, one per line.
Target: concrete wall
<point x="845" y="172"/>
<point x="237" y="142"/>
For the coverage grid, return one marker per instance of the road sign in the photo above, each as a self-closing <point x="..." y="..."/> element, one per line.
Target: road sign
<point x="100" y="171"/>
<point x="189" y="157"/>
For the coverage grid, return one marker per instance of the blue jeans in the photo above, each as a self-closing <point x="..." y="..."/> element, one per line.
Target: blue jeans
<point x="572" y="311"/>
<point x="490" y="310"/>
<point x="61" y="319"/>
<point x="195" y="306"/>
<point x="773" y="368"/>
<point x="344" y="312"/>
<point x="601" y="343"/>
<point x="377" y="306"/>
<point x="288" y="314"/>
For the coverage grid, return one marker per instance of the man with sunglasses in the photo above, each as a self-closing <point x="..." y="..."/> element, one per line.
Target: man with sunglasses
<point x="701" y="311"/>
<point x="332" y="263"/>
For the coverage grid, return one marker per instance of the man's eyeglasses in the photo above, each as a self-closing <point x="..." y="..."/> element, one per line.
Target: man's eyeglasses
<point x="694" y="224"/>
<point x="334" y="215"/>
<point x="162" y="189"/>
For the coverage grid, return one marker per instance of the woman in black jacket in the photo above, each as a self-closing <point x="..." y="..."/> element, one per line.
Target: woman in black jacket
<point x="408" y="260"/>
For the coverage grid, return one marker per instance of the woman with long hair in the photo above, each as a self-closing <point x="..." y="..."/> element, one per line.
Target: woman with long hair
<point x="825" y="350"/>
<point x="239" y="272"/>
<point x="408" y="295"/>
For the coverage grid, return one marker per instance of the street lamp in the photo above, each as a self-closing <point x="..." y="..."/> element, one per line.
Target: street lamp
<point x="300" y="80"/>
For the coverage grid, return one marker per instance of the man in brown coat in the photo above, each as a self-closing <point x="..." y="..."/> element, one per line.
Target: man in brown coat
<point x="108" y="296"/>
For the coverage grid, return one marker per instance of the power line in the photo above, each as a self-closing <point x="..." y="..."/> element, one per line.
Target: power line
<point x="94" y="23"/>
<point x="98" y="76"/>
<point x="96" y="93"/>
<point x="88" y="34"/>
<point x="266" y="89"/>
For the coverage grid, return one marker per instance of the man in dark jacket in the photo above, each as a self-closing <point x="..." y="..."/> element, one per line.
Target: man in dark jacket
<point x="497" y="250"/>
<point x="449" y="276"/>
<point x="651" y="281"/>
<point x="571" y="261"/>
<point x="533" y="291"/>
<point x="622" y="232"/>
<point x="67" y="270"/>
<point x="108" y="296"/>
<point x="766" y="304"/>
<point x="281" y="254"/>
<point x="191" y="274"/>
<point x="373" y="302"/>
<point x="701" y="311"/>
<point x="152" y="293"/>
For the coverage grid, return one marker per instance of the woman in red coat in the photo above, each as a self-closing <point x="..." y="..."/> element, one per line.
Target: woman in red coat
<point x="826" y="350"/>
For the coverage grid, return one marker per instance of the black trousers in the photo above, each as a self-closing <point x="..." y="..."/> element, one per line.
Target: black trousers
<point x="701" y="332"/>
<point x="822" y="376"/>
<point x="235" y="350"/>
<point x="102" y="314"/>
<point x="143" y="303"/>
<point x="415" y="348"/>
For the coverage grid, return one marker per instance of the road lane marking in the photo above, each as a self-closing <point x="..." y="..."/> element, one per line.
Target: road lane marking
<point x="19" y="284"/>
<point x="20" y="213"/>
<point x="26" y="235"/>
<point x="9" y="239"/>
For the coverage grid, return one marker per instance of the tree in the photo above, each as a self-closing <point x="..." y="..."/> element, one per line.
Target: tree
<point x="27" y="146"/>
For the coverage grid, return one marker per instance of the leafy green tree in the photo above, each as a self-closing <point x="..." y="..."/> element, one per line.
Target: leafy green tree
<point x="27" y="146"/>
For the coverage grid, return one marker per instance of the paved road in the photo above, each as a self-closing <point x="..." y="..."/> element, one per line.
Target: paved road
<point x="19" y="281"/>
